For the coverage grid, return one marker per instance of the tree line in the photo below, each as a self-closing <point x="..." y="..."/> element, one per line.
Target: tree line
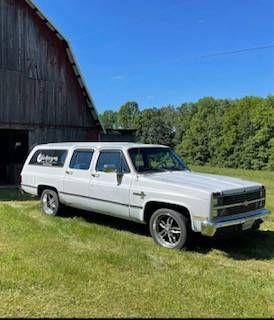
<point x="236" y="133"/>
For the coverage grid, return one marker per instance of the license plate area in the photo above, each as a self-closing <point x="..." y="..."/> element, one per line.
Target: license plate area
<point x="247" y="225"/>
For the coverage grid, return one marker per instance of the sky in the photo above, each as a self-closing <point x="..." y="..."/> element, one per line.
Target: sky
<point x="167" y="52"/>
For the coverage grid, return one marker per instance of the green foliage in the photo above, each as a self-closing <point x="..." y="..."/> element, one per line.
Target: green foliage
<point x="127" y="115"/>
<point x="226" y="133"/>
<point x="109" y="119"/>
<point x="124" y="118"/>
<point x="271" y="156"/>
<point x="153" y="127"/>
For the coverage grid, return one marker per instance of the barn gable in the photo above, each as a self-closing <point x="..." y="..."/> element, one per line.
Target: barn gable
<point x="36" y="60"/>
<point x="72" y="61"/>
<point x="43" y="96"/>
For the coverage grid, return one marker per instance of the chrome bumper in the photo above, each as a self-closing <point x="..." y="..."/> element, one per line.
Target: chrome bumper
<point x="209" y="228"/>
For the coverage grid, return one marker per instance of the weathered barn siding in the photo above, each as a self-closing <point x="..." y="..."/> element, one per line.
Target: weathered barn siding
<point x="43" y="97"/>
<point x="46" y="135"/>
<point x="37" y="83"/>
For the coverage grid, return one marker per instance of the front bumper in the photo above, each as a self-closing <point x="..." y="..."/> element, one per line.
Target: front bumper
<point x="209" y="228"/>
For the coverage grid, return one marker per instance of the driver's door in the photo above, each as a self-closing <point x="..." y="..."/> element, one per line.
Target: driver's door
<point x="109" y="191"/>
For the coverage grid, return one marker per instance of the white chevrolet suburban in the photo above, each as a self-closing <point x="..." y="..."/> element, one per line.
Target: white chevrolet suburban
<point x="144" y="183"/>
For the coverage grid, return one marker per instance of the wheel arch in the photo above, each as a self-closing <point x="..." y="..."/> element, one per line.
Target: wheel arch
<point x="43" y="187"/>
<point x="153" y="205"/>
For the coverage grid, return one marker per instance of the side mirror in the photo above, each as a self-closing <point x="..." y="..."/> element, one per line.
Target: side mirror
<point x="109" y="168"/>
<point x="119" y="174"/>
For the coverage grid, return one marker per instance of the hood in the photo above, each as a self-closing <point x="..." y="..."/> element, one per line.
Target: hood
<point x="205" y="182"/>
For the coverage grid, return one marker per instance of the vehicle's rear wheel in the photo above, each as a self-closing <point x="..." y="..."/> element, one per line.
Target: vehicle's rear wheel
<point x="168" y="228"/>
<point x="50" y="202"/>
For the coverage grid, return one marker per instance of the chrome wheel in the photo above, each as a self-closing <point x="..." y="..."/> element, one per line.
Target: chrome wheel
<point x="50" y="202"/>
<point x="167" y="230"/>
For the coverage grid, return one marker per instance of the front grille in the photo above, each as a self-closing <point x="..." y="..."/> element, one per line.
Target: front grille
<point x="241" y="209"/>
<point x="242" y="197"/>
<point x="239" y="203"/>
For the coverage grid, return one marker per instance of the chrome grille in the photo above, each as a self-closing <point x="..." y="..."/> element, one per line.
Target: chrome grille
<point x="242" y="197"/>
<point x="226" y="205"/>
<point x="240" y="209"/>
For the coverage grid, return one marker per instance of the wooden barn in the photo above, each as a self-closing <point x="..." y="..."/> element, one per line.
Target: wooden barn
<point x="43" y="97"/>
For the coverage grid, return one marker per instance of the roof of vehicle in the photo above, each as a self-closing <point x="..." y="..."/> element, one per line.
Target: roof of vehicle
<point x="97" y="145"/>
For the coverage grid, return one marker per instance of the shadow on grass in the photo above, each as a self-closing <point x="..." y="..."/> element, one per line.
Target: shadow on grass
<point x="248" y="245"/>
<point x="107" y="221"/>
<point x="242" y="246"/>
<point x="14" y="194"/>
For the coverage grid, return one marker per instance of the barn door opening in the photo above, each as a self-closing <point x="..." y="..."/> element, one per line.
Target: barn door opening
<point x="14" y="151"/>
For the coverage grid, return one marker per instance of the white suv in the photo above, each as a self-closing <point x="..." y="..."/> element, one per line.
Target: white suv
<point x="144" y="183"/>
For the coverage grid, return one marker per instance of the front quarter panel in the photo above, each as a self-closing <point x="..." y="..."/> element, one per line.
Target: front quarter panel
<point x="144" y="191"/>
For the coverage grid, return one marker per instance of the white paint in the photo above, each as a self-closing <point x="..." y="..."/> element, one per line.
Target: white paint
<point x="102" y="192"/>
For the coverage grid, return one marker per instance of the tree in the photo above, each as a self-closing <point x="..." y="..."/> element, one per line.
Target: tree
<point x="109" y="119"/>
<point x="228" y="133"/>
<point x="153" y="128"/>
<point x="182" y="122"/>
<point x="270" y="164"/>
<point x="196" y="146"/>
<point x="127" y="115"/>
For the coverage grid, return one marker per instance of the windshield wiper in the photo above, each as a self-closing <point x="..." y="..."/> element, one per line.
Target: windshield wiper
<point x="175" y="169"/>
<point x="146" y="170"/>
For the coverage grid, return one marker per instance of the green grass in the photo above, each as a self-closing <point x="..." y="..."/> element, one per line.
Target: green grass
<point x="96" y="266"/>
<point x="11" y="193"/>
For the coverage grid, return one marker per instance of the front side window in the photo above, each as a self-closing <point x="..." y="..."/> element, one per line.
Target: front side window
<point x="49" y="158"/>
<point x="81" y="159"/>
<point x="156" y="159"/>
<point x="112" y="159"/>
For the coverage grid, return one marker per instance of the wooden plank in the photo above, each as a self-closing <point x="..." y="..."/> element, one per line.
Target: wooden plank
<point x="37" y="83"/>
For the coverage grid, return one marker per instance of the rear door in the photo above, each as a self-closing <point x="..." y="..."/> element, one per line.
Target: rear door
<point x="77" y="179"/>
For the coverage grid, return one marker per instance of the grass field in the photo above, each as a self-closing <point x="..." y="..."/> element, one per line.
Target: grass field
<point x="94" y="266"/>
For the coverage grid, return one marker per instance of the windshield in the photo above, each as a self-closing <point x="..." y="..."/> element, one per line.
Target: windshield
<point x="156" y="159"/>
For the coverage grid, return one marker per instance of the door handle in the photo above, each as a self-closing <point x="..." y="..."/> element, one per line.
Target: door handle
<point x="95" y="175"/>
<point x="69" y="172"/>
<point x="139" y="194"/>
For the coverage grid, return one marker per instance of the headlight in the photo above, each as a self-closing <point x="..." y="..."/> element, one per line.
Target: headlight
<point x="217" y="199"/>
<point x="214" y="213"/>
<point x="215" y="202"/>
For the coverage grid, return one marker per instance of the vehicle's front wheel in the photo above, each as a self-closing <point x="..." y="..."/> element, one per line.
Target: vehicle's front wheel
<point x="168" y="228"/>
<point x="50" y="202"/>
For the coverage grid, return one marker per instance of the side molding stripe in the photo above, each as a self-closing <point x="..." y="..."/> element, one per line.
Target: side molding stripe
<point x="91" y="198"/>
<point x="97" y="199"/>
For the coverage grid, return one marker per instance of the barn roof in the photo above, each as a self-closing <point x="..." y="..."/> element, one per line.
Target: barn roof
<point x="71" y="59"/>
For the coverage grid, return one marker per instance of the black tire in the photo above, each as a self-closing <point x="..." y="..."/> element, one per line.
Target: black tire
<point x="50" y="202"/>
<point x="256" y="225"/>
<point x="168" y="228"/>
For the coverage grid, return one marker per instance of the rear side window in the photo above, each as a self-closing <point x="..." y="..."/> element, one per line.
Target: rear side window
<point x="81" y="159"/>
<point x="112" y="158"/>
<point x="49" y="158"/>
